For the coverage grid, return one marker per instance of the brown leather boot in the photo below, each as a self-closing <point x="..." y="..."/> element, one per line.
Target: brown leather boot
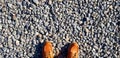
<point x="73" y="50"/>
<point x="47" y="50"/>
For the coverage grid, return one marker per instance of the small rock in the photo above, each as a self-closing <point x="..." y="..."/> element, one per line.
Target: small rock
<point x="41" y="41"/>
<point x="1" y="1"/>
<point x="96" y="47"/>
<point x="46" y="23"/>
<point x="107" y="40"/>
<point x="80" y="35"/>
<point x="13" y="16"/>
<point x="9" y="5"/>
<point x="9" y="21"/>
<point x="30" y="54"/>
<point x="57" y="52"/>
<point x="39" y="35"/>
<point x="111" y="7"/>
<point x="1" y="45"/>
<point x="32" y="27"/>
<point x="31" y="6"/>
<point x="17" y="42"/>
<point x="87" y="30"/>
<point x="67" y="38"/>
<point x="9" y="41"/>
<point x="60" y="0"/>
<point x="19" y="2"/>
<point x="3" y="9"/>
<point x="36" y="2"/>
<point x="80" y="22"/>
<point x="26" y="32"/>
<point x="1" y="56"/>
<point x="50" y="2"/>
<point x="0" y="26"/>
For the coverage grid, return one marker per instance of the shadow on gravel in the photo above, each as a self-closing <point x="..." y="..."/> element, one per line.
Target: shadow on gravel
<point x="38" y="51"/>
<point x="63" y="52"/>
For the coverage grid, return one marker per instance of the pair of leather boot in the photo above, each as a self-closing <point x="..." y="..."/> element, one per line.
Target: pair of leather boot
<point x="47" y="51"/>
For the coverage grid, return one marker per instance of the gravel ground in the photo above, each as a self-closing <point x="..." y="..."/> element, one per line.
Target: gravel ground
<point x="26" y="24"/>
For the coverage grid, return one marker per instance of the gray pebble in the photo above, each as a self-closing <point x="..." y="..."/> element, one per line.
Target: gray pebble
<point x="10" y="41"/>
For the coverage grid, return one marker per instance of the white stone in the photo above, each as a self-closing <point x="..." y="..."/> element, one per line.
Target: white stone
<point x="0" y="26"/>
<point x="67" y="38"/>
<point x="17" y="42"/>
<point x="1" y="56"/>
<point x="60" y="0"/>
<point x="1" y="45"/>
<point x="35" y="1"/>
<point x="50" y="2"/>
<point x="10" y="5"/>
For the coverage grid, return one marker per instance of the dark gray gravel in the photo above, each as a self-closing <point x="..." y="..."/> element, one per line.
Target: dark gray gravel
<point x="26" y="24"/>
